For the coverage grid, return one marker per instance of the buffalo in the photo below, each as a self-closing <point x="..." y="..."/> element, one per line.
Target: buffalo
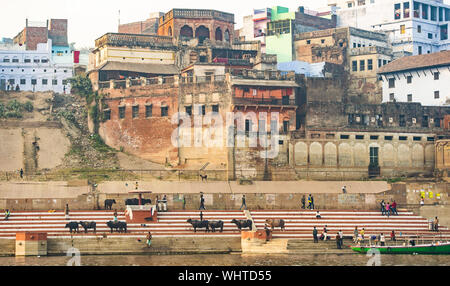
<point x="272" y="223"/>
<point x="72" y="226"/>
<point x="109" y="203"/>
<point x="216" y="224"/>
<point x="135" y="202"/>
<point x="243" y="224"/>
<point x="88" y="225"/>
<point x="117" y="225"/>
<point x="199" y="224"/>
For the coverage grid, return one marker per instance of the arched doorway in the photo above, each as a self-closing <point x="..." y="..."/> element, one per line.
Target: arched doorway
<point x="186" y="32"/>
<point x="219" y="35"/>
<point x="227" y="36"/>
<point x="202" y="33"/>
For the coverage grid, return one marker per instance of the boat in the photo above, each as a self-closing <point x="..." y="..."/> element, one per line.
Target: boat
<point x="428" y="248"/>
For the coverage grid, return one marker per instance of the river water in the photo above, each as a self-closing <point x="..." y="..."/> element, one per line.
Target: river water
<point x="237" y="259"/>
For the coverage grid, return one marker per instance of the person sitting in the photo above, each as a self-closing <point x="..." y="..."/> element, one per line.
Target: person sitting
<point x="318" y="215"/>
<point x="382" y="240"/>
<point x="7" y="214"/>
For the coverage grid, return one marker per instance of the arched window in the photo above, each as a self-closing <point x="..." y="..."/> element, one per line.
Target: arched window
<point x="15" y="59"/>
<point x="202" y="33"/>
<point x="219" y="36"/>
<point x="44" y="60"/>
<point x="6" y="59"/>
<point x="227" y="36"/>
<point x="36" y="60"/>
<point x="186" y="32"/>
<point x="27" y="60"/>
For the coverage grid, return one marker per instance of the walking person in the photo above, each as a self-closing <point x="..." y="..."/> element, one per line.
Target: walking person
<point x="388" y="209"/>
<point x="244" y="205"/>
<point x="21" y="173"/>
<point x="149" y="239"/>
<point x="7" y="214"/>
<point x="66" y="211"/>
<point x="316" y="239"/>
<point x="383" y="207"/>
<point x="303" y="202"/>
<point x="115" y="215"/>
<point x="309" y="202"/>
<point x="202" y="203"/>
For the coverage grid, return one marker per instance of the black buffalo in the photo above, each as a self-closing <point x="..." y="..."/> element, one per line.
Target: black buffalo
<point x="88" y="225"/>
<point x="120" y="226"/>
<point x="135" y="202"/>
<point x="216" y="224"/>
<point x="199" y="224"/>
<point x="72" y="226"/>
<point x="109" y="203"/>
<point x="243" y="224"/>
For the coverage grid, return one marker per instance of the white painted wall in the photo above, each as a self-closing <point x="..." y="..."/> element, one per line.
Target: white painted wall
<point x="422" y="87"/>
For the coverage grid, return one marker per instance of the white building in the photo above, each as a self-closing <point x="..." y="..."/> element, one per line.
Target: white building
<point x="414" y="26"/>
<point x="33" y="70"/>
<point x="423" y="78"/>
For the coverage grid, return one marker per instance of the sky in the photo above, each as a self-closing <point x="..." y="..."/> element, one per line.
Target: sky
<point x="90" y="19"/>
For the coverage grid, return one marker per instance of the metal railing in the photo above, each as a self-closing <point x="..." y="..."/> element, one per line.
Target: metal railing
<point x="264" y="101"/>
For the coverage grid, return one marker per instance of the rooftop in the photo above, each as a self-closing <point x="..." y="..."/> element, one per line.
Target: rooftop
<point x="417" y="62"/>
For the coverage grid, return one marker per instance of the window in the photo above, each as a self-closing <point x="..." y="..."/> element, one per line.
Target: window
<point x="6" y="60"/>
<point x="354" y="66"/>
<point x="44" y="81"/>
<point x="164" y="111"/>
<point x="345" y="137"/>
<point x="374" y="156"/>
<point x="12" y="81"/>
<point x="425" y="11"/>
<point x="405" y="9"/>
<point x="388" y="138"/>
<point x="362" y="64"/>
<point x="361" y="2"/>
<point x="391" y="97"/>
<point x="410" y="98"/>
<point x="397" y="11"/>
<point x="308" y="42"/>
<point x="402" y="29"/>
<point x="215" y="108"/>
<point x="384" y="62"/>
<point x="322" y="41"/>
<point x="354" y="45"/>
<point x="188" y="110"/>
<point x="433" y="13"/>
<point x="55" y="82"/>
<point x="419" y="29"/>
<point x="369" y="65"/>
<point x="33" y="82"/>
<point x="430" y="36"/>
<point x="436" y="95"/>
<point x="392" y="83"/>
<point x="107" y="115"/>
<point x="15" y="60"/>
<point x="436" y="76"/>
<point x="402" y="121"/>
<point x="374" y="137"/>
<point x="203" y="110"/>
<point x="425" y="121"/>
<point x="121" y="112"/>
<point x="286" y="126"/>
<point x="148" y="111"/>
<point x="416" y="7"/>
<point x="415" y="138"/>
<point x="64" y="82"/>
<point x="437" y="122"/>
<point x="248" y="125"/>
<point x="359" y="137"/>
<point x="409" y="79"/>
<point x="36" y="61"/>
<point x="430" y="139"/>
<point x="44" y="60"/>
<point x="403" y="138"/>
<point x="349" y="5"/>
<point x="444" y="32"/>
<point x="135" y="111"/>
<point x="23" y="81"/>
<point x="380" y="63"/>
<point x="420" y="50"/>
<point x="27" y="60"/>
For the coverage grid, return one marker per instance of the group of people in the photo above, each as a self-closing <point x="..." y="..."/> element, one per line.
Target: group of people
<point x="388" y="208"/>
<point x="161" y="204"/>
<point x="10" y="87"/>
<point x="310" y="202"/>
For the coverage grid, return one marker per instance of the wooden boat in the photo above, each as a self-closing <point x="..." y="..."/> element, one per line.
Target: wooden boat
<point x="429" y="248"/>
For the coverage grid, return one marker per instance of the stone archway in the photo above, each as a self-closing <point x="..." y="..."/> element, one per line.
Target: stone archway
<point x="186" y="32"/>
<point x="219" y="34"/>
<point x="202" y="33"/>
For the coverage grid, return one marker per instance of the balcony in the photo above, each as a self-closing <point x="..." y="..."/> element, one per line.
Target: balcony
<point x="130" y="40"/>
<point x="264" y="102"/>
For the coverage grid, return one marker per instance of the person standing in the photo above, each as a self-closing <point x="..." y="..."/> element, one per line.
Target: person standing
<point x="184" y="202"/>
<point x="338" y="241"/>
<point x="362" y="232"/>
<point x="303" y="202"/>
<point x="388" y="209"/>
<point x="21" y="173"/>
<point x="309" y="202"/>
<point x="115" y="215"/>
<point x="436" y="224"/>
<point x="149" y="239"/>
<point x="383" y="207"/>
<point x="201" y="216"/>
<point x="316" y="239"/>
<point x="394" y="208"/>
<point x="312" y="202"/>
<point x="244" y="205"/>
<point x="355" y="234"/>
<point x="66" y="211"/>
<point x="393" y="238"/>
<point x="202" y="203"/>
<point x="341" y="237"/>
<point x="7" y="214"/>
<point x="382" y="240"/>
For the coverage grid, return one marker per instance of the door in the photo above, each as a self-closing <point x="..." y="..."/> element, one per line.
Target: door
<point x="374" y="167"/>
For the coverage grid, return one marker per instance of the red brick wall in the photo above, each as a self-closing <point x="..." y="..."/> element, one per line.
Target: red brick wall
<point x="58" y="32"/>
<point x="34" y="36"/>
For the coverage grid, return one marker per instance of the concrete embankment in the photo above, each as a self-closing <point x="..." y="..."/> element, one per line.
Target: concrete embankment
<point x="131" y="245"/>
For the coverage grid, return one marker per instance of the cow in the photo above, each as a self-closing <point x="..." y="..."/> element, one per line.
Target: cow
<point x="216" y="224"/>
<point x="272" y="223"/>
<point x="199" y="224"/>
<point x="88" y="225"/>
<point x="243" y="224"/>
<point x="109" y="203"/>
<point x="118" y="225"/>
<point x="135" y="202"/>
<point x="72" y="226"/>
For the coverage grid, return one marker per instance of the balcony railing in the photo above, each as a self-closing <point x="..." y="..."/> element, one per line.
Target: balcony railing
<point x="264" y="101"/>
<point x="264" y="75"/>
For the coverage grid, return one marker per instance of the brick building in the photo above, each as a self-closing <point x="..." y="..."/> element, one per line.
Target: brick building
<point x="147" y="27"/>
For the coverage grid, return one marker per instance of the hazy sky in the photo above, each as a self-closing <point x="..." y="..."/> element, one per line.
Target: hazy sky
<point x="90" y="19"/>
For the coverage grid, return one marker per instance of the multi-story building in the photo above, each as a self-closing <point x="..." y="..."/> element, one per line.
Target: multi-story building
<point x="361" y="52"/>
<point x="33" y="70"/>
<point x="283" y="27"/>
<point x="423" y="78"/>
<point x="255" y="26"/>
<point x="417" y="27"/>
